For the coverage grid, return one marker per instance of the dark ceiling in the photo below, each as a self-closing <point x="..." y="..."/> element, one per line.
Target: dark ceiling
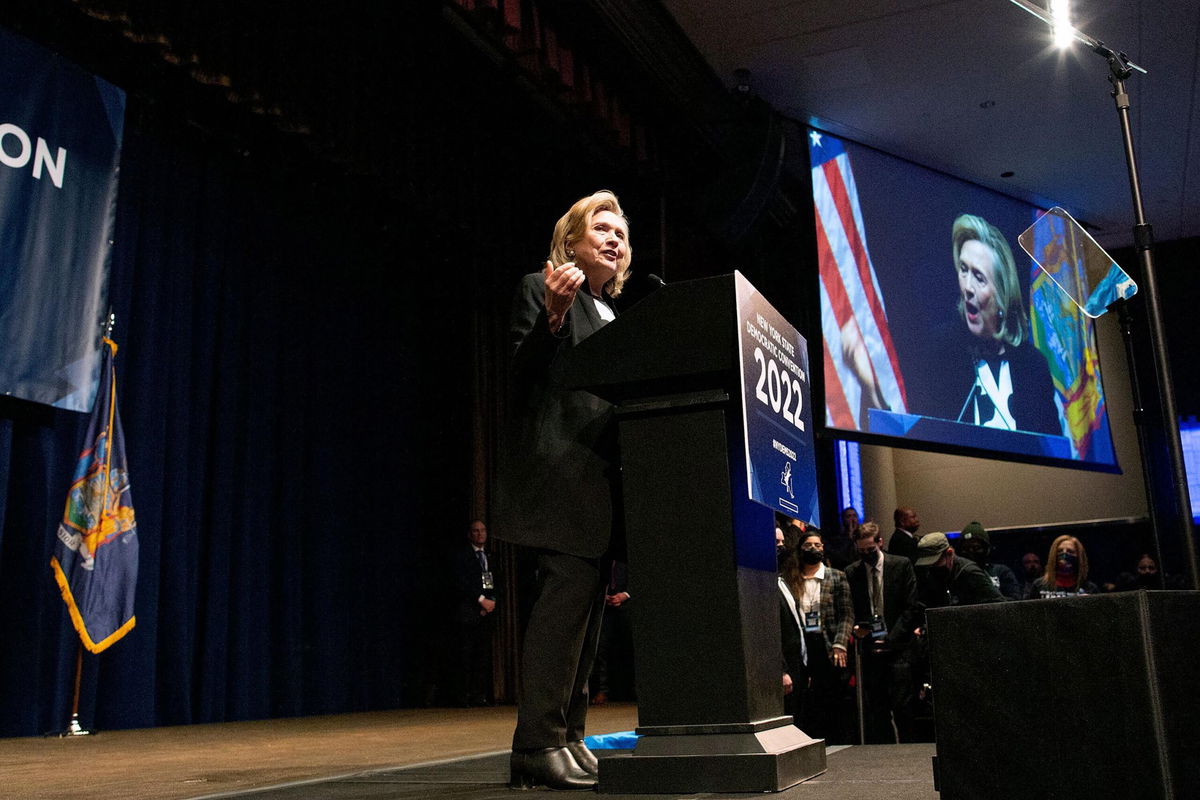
<point x="970" y="87"/>
<point x="973" y="87"/>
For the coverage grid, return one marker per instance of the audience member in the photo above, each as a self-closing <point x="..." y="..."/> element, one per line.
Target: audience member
<point x="475" y="581"/>
<point x="789" y="525"/>
<point x="1066" y="571"/>
<point x="826" y="611"/>
<point x="612" y="669"/>
<point x="884" y="591"/>
<point x="1146" y="575"/>
<point x="904" y="538"/>
<point x="1031" y="570"/>
<point x="839" y="546"/>
<point x="795" y="657"/>
<point x="976" y="544"/>
<point x="945" y="580"/>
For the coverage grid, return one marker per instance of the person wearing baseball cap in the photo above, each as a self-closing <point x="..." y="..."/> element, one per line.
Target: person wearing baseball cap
<point x="946" y="580"/>
<point x="976" y="544"/>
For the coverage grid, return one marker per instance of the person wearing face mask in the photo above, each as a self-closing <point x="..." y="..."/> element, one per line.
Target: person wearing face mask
<point x="884" y="591"/>
<point x="827" y="615"/>
<point x="1066" y="571"/>
<point x="944" y="579"/>
<point x="976" y="545"/>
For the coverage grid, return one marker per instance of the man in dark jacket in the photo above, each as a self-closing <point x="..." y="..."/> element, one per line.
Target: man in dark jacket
<point x="884" y="590"/>
<point x="475" y="584"/>
<point x="946" y="580"/>
<point x="977" y="546"/>
<point x="904" y="538"/>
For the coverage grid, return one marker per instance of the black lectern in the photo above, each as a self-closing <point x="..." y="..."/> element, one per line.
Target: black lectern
<point x="701" y="553"/>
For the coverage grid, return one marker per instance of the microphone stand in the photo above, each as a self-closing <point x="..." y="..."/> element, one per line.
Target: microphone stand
<point x="974" y="385"/>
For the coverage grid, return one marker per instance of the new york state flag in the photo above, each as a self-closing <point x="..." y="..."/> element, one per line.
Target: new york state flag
<point x="95" y="561"/>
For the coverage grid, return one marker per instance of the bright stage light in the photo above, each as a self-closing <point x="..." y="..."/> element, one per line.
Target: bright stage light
<point x="1064" y="32"/>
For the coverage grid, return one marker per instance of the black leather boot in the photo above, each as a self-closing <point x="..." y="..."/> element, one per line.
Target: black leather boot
<point x="585" y="758"/>
<point x="552" y="767"/>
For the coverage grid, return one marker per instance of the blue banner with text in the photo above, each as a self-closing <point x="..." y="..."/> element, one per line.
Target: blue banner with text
<point x="60" y="146"/>
<point x="781" y="465"/>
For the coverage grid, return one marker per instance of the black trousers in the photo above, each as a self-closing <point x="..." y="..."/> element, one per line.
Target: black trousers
<point x="822" y="713"/>
<point x="613" y="669"/>
<point x="560" y="644"/>
<point x="887" y="695"/>
<point x="473" y="680"/>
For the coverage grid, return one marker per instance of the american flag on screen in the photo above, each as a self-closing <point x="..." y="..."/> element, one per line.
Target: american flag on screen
<point x="851" y="302"/>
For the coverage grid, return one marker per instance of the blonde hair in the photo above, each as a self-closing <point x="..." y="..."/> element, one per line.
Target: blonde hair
<point x="572" y="226"/>
<point x="868" y="530"/>
<point x="1014" y="323"/>
<point x="1050" y="575"/>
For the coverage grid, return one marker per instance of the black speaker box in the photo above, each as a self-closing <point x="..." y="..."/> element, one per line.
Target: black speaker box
<point x="1083" y="697"/>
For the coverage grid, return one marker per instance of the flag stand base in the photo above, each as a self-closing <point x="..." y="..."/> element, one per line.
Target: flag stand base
<point x="73" y="729"/>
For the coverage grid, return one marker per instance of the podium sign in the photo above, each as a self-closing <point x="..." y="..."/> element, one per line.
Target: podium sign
<point x="776" y="410"/>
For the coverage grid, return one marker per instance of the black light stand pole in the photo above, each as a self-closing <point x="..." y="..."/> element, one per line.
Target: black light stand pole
<point x="1143" y="237"/>
<point x="1140" y="424"/>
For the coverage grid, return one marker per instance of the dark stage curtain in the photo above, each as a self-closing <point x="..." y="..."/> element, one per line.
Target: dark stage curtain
<point x="282" y="458"/>
<point x="310" y="373"/>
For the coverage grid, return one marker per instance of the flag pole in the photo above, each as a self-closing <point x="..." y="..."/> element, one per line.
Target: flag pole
<point x="73" y="727"/>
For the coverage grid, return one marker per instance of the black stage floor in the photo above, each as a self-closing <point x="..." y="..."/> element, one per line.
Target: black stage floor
<point x="873" y="772"/>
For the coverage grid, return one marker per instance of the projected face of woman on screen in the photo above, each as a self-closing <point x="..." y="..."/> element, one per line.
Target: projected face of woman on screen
<point x="967" y="347"/>
<point x="976" y="283"/>
<point x="989" y="293"/>
<point x="1011" y="388"/>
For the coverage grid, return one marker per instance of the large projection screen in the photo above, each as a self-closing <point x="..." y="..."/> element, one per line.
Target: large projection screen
<point x="938" y="332"/>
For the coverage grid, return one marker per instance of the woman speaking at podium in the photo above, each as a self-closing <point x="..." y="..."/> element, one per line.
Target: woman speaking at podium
<point x="988" y="371"/>
<point x="558" y="485"/>
<point x="1010" y="385"/>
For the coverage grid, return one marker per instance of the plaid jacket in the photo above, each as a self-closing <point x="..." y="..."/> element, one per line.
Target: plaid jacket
<point x="837" y="609"/>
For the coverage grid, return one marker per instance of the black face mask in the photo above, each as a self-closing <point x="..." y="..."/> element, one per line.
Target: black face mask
<point x="872" y="557"/>
<point x="1067" y="562"/>
<point x="812" y="556"/>
<point x="781" y="556"/>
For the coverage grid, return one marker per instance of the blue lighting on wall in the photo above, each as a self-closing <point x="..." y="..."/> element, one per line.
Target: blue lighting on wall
<point x="1189" y="435"/>
<point x="848" y="465"/>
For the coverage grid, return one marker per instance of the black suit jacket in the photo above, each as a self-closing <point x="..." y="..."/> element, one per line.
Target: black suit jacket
<point x="903" y="543"/>
<point x="558" y="461"/>
<point x="899" y="595"/>
<point x="792" y="639"/>
<point x="468" y="583"/>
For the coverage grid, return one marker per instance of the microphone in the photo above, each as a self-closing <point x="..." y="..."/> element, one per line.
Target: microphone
<point x="657" y="281"/>
<point x="974" y="386"/>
